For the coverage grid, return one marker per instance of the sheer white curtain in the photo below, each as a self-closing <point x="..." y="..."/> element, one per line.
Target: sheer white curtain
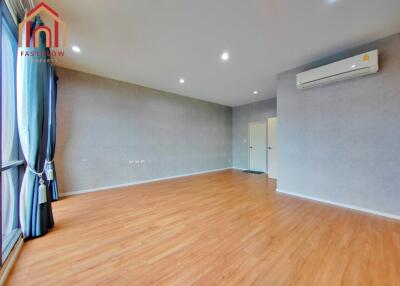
<point x="9" y="127"/>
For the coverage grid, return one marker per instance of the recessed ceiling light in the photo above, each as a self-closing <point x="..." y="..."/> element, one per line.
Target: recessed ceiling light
<point x="353" y="66"/>
<point x="76" y="49"/>
<point x="255" y="92"/>
<point x="331" y="1"/>
<point x="182" y="81"/>
<point x="225" y="56"/>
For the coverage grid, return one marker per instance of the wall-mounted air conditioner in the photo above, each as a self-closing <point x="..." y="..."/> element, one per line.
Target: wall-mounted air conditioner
<point x="364" y="64"/>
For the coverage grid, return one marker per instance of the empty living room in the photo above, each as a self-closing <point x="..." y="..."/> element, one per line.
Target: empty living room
<point x="182" y="142"/>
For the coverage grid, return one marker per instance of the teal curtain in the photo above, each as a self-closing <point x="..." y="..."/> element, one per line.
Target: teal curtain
<point x="32" y="111"/>
<point x="51" y="134"/>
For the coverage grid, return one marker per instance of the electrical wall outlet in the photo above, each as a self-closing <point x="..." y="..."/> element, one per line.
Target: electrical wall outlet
<point x="136" y="162"/>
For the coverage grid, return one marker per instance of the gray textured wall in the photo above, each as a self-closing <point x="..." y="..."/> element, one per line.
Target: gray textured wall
<point x="342" y="142"/>
<point x="103" y="124"/>
<point x="241" y="117"/>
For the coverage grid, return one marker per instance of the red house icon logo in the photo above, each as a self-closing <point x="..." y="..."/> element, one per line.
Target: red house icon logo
<point x="52" y="37"/>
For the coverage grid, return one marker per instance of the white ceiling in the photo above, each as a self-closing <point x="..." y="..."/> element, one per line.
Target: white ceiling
<point x="155" y="42"/>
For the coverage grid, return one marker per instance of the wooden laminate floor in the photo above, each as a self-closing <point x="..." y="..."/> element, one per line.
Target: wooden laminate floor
<point x="225" y="228"/>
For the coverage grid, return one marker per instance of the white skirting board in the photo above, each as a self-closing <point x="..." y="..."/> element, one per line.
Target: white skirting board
<point x="240" y="169"/>
<point x="139" y="182"/>
<point x="340" y="205"/>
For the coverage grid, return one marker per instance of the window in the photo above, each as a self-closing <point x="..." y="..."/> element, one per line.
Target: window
<point x="10" y="156"/>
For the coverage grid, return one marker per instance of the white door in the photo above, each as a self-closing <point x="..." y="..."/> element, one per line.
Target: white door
<point x="272" y="152"/>
<point x="258" y="146"/>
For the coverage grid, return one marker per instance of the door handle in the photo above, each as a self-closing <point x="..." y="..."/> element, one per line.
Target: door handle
<point x="251" y="147"/>
<point x="269" y="148"/>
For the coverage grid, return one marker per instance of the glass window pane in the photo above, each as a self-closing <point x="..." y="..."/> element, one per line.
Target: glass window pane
<point x="9" y="207"/>
<point x="9" y="141"/>
<point x="9" y="150"/>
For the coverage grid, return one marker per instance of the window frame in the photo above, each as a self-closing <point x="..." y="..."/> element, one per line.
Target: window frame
<point x="18" y="164"/>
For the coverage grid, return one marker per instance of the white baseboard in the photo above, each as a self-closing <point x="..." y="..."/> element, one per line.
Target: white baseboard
<point x="241" y="169"/>
<point x="246" y="169"/>
<point x="340" y="205"/>
<point x="139" y="182"/>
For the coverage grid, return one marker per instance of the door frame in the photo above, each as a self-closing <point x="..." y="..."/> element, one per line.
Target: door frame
<point x="248" y="142"/>
<point x="268" y="141"/>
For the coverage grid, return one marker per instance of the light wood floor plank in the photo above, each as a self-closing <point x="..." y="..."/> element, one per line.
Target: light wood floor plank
<point x="225" y="228"/>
